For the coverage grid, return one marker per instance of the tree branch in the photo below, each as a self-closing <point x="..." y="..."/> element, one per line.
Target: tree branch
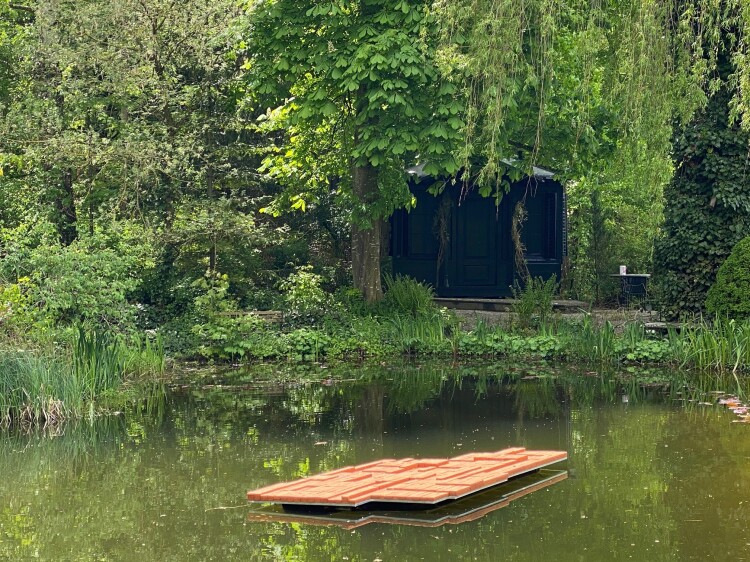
<point x="22" y="8"/>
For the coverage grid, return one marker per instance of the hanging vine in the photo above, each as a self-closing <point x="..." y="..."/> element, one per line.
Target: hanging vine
<point x="441" y="229"/>
<point x="568" y="83"/>
<point x="519" y="249"/>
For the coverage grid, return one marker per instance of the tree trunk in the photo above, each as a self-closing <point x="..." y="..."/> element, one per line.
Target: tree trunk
<point x="369" y="415"/>
<point x="65" y="216"/>
<point x="65" y="210"/>
<point x="212" y="234"/>
<point x="366" y="240"/>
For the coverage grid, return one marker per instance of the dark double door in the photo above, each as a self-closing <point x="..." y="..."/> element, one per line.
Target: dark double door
<point x="478" y="261"/>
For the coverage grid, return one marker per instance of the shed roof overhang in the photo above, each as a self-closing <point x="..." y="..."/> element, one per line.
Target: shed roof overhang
<point x="539" y="173"/>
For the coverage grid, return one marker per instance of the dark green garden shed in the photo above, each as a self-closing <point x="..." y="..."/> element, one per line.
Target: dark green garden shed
<point x="470" y="237"/>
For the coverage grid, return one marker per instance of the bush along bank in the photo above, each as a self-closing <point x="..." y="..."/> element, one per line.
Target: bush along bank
<point x="721" y="346"/>
<point x="730" y="293"/>
<point x="407" y="322"/>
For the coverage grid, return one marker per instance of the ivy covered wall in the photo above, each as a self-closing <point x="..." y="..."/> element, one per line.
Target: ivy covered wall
<point x="707" y="207"/>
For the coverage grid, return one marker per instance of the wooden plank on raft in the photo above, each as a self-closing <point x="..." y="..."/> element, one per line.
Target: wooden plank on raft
<point x="412" y="481"/>
<point x="463" y="510"/>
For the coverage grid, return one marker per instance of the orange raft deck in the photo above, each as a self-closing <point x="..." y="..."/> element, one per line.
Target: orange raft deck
<point x="463" y="510"/>
<point x="411" y="481"/>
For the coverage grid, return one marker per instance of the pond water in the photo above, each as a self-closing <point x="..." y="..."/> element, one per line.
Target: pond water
<point x="651" y="477"/>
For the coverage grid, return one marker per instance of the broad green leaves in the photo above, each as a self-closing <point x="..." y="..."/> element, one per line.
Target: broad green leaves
<point x="707" y="207"/>
<point x="366" y="72"/>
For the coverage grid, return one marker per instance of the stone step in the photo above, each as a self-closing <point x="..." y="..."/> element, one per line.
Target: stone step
<point x="506" y="305"/>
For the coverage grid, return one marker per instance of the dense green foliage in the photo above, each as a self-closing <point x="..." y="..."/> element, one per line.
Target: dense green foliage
<point x="88" y="280"/>
<point x="730" y="293"/>
<point x="612" y="223"/>
<point x="362" y="95"/>
<point x="129" y="167"/>
<point x="156" y="157"/>
<point x="707" y="207"/>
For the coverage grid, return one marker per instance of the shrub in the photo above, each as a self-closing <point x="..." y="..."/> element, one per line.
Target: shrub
<point x="406" y="295"/>
<point x="305" y="301"/>
<point x="362" y="336"/>
<point x="222" y="330"/>
<point x="350" y="301"/>
<point x="534" y="301"/>
<point x="87" y="281"/>
<point x="16" y="310"/>
<point x="730" y="293"/>
<point x="305" y="344"/>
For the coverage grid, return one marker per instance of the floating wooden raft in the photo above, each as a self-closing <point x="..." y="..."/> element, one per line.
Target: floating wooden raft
<point x="463" y="510"/>
<point x="410" y="481"/>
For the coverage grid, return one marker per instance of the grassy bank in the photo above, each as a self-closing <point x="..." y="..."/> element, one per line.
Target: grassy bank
<point x="720" y="345"/>
<point x="49" y="382"/>
<point x="45" y="385"/>
<point x="407" y="321"/>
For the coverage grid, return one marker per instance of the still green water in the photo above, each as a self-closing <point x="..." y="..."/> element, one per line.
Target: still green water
<point x="651" y="478"/>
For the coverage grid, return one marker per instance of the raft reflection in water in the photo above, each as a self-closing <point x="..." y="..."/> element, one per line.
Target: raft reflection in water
<point x="468" y="508"/>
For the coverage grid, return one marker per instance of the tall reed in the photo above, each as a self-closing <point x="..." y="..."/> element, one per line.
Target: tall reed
<point x="98" y="362"/>
<point x="35" y="389"/>
<point x="427" y="332"/>
<point x="591" y="342"/>
<point x="722" y="345"/>
<point x="144" y="356"/>
<point x="47" y="386"/>
<point x="405" y="295"/>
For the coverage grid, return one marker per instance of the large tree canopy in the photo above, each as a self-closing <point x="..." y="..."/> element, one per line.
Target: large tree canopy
<point x="360" y="91"/>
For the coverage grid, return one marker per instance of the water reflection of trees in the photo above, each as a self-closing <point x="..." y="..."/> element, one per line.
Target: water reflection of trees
<point x="147" y="485"/>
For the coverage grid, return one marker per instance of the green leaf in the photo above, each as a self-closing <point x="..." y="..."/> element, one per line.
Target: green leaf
<point x="329" y="109"/>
